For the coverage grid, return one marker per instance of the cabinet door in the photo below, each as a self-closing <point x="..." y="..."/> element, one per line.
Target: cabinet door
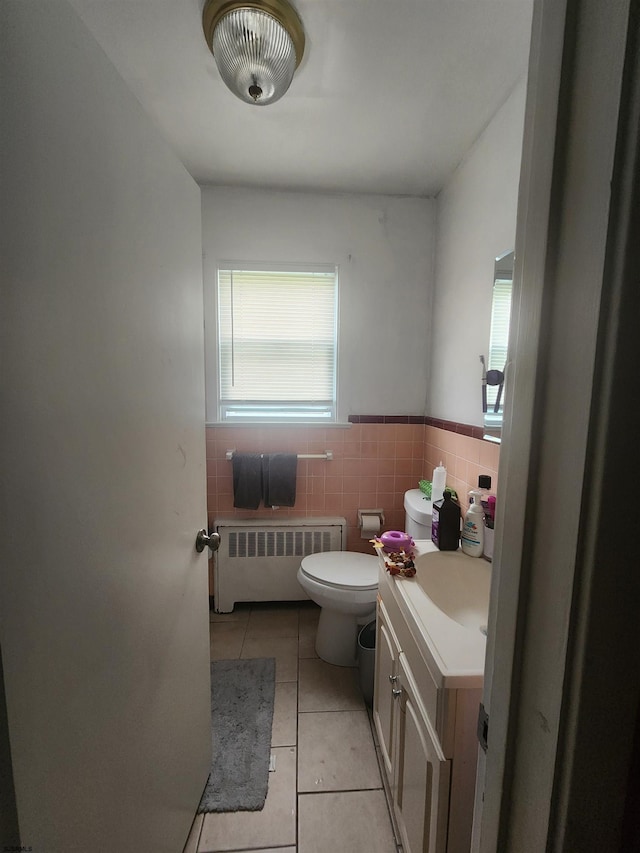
<point x="386" y="676"/>
<point x="422" y="795"/>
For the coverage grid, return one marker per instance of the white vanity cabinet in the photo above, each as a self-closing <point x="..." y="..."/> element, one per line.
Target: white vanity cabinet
<point x="385" y="691"/>
<point x="421" y="790"/>
<point x="427" y="735"/>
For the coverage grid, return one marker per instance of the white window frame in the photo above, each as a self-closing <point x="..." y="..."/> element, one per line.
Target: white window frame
<point x="277" y="411"/>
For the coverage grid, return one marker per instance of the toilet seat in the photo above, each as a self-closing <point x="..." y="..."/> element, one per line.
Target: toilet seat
<point x="342" y="569"/>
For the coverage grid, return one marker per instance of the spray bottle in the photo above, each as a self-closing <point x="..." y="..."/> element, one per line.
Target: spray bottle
<point x="438" y="483"/>
<point x="472" y="540"/>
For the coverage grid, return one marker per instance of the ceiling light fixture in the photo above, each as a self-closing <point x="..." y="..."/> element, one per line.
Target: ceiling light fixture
<point x="257" y="46"/>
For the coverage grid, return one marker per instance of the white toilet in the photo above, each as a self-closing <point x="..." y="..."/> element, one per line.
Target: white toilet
<point x="417" y="518"/>
<point x="345" y="585"/>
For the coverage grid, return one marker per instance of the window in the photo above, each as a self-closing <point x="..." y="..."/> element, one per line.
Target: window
<point x="277" y="344"/>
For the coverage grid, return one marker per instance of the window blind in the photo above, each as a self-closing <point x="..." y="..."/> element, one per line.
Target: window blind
<point x="277" y="344"/>
<point x="499" y="337"/>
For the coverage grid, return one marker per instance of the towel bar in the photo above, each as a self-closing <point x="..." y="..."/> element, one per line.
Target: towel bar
<point x="328" y="455"/>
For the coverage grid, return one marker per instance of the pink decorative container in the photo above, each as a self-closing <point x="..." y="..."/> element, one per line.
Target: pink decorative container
<point x="396" y="540"/>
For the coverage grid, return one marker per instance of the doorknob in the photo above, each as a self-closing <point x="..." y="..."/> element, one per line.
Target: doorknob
<point x="203" y="539"/>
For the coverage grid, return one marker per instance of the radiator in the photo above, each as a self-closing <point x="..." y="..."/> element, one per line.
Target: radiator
<point x="258" y="559"/>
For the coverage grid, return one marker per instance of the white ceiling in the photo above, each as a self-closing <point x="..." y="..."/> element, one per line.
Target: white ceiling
<point x="389" y="97"/>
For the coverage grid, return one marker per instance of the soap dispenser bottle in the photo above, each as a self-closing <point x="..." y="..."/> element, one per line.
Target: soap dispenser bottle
<point x="473" y="528"/>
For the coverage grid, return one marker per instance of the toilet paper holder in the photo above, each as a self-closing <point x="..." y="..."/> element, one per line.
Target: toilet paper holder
<point x="370" y="522"/>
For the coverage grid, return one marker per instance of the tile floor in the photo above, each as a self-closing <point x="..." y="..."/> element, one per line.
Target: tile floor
<point x="326" y="795"/>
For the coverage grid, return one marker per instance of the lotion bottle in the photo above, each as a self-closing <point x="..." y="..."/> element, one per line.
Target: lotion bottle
<point x="472" y="540"/>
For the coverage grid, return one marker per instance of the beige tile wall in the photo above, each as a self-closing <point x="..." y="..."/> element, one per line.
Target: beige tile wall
<point x="463" y="457"/>
<point x="373" y="466"/>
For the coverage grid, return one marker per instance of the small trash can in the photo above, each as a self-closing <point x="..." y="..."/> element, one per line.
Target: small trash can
<point x="367" y="660"/>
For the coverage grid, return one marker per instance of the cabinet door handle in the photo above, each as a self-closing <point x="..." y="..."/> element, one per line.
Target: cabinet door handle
<point x="393" y="678"/>
<point x="397" y="691"/>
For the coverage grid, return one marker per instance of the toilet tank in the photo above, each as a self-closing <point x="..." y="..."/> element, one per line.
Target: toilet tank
<point x="417" y="521"/>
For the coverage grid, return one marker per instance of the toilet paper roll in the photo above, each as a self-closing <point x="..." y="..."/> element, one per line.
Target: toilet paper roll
<point x="370" y="526"/>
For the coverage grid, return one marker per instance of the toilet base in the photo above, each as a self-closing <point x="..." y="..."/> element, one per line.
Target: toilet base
<point x="337" y="638"/>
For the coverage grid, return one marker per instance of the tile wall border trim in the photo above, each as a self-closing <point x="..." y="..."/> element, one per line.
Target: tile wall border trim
<point x="451" y="426"/>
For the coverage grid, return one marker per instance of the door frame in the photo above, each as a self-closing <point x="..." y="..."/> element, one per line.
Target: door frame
<point x="565" y="597"/>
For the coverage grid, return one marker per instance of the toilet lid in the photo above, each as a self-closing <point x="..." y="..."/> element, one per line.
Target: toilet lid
<point x="343" y="569"/>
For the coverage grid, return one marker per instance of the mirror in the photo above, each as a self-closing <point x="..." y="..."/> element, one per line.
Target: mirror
<point x="493" y="366"/>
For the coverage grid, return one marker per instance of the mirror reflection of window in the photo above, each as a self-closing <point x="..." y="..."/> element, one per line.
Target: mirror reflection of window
<point x="499" y="339"/>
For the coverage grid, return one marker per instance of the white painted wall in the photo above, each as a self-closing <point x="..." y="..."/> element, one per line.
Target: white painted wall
<point x="383" y="246"/>
<point x="476" y="222"/>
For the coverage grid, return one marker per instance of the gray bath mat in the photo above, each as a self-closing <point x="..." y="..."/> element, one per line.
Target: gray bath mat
<point x="242" y="693"/>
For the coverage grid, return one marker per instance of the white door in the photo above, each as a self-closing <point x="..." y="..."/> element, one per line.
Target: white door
<point x="103" y="598"/>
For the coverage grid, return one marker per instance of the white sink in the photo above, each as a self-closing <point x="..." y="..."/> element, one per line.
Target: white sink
<point x="457" y="584"/>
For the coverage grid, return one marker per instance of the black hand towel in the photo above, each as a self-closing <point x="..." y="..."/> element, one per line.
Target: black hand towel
<point x="279" y="478"/>
<point x="247" y="480"/>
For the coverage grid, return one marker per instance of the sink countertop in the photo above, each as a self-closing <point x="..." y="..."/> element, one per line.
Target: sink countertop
<point x="455" y="654"/>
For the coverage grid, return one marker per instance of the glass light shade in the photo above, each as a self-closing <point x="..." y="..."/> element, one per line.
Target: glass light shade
<point x="255" y="55"/>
